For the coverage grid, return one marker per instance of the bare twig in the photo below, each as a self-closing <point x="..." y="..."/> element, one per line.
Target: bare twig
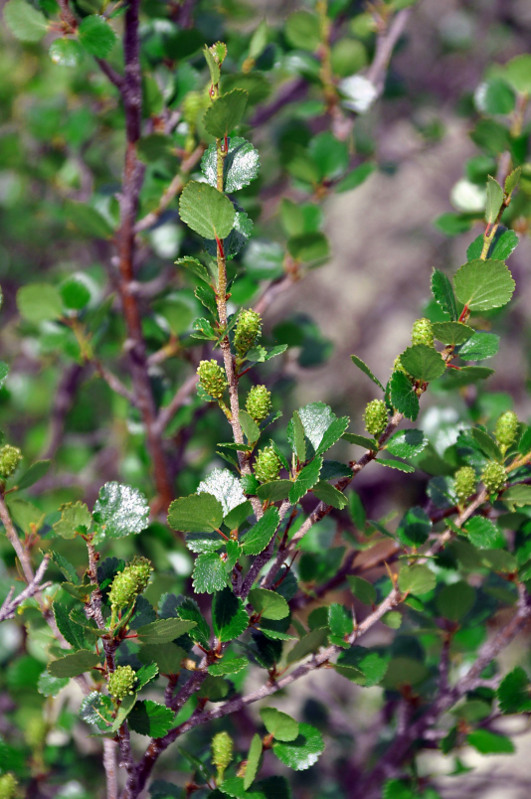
<point x="10" y="604"/>
<point x="385" y="44"/>
<point x="167" y="413"/>
<point x="16" y="543"/>
<point x="64" y="397"/>
<point x="109" y="764"/>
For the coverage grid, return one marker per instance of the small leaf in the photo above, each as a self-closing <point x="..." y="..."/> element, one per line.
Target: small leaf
<point x="308" y="247"/>
<point x="455" y="378"/>
<point x="416" y="579"/>
<point x="356" y="177"/>
<point x="392" y="464"/>
<point x="229" y="617"/>
<point x="452" y="332"/>
<point x="258" y="537"/>
<point x="87" y="220"/>
<point x="302" y="30"/>
<point x="423" y="363"/>
<point x="24" y="21"/>
<point x="518" y="495"/>
<point x="443" y="293"/>
<point x="73" y="664"/>
<point x="407" y="443"/>
<point x="4" y="371"/>
<point x="121" y="510"/>
<point x="308" y="644"/>
<point x="75" y="517"/>
<point x="454" y="601"/>
<point x="50" y="686"/>
<point x="250" y="429"/>
<point x="365" y="369"/>
<point x="223" y="485"/>
<point x="494" y="200"/>
<point x="39" y="302"/>
<point x="361" y="441"/>
<point x="35" y="473"/>
<point x="206" y="210"/>
<point x="330" y="495"/>
<point x="511" y="182"/>
<point x="483" y="285"/>
<point x="403" y="396"/>
<point x="489" y="743"/>
<point x="362" y="589"/>
<point x="151" y="718"/>
<point x="98" y="711"/>
<point x="340" y="621"/>
<point x="480" y="346"/>
<point x="254" y="758"/>
<point x="166" y="657"/>
<point x="513" y="692"/>
<point x="195" y="267"/>
<point x="306" y="479"/>
<point x="228" y="666"/>
<point x="487" y="444"/>
<point x="483" y="533"/>
<point x="274" y="491"/>
<point x="196" y="513"/>
<point x="281" y="726"/>
<point x="97" y="36"/>
<point x="414" y="527"/>
<point x="296" y="437"/>
<point x="303" y="752"/>
<point x="517" y="72"/>
<point x="66" y="52"/>
<point x="364" y="666"/>
<point x="226" y="113"/>
<point x="163" y="630"/>
<point x="268" y="604"/>
<point x="72" y="632"/>
<point x="74" y="293"/>
<point x="240" y="166"/>
<point x="210" y="574"/>
<point x="213" y="66"/>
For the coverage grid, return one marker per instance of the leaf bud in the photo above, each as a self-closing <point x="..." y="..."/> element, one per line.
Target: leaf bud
<point x="506" y="429"/>
<point x="375" y="417"/>
<point x="267" y="464"/>
<point x="212" y="378"/>
<point x="10" y="458"/>
<point x="130" y="582"/>
<point x="258" y="403"/>
<point x="222" y="747"/>
<point x="121" y="682"/>
<point x="465" y="483"/>
<point x="494" y="477"/>
<point x="248" y="329"/>
<point x="8" y="786"/>
<point x="422" y="332"/>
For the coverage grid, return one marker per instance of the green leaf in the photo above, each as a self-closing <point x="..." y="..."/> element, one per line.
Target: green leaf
<point x="403" y="395"/>
<point x="518" y="495"/>
<point x="206" y="210"/>
<point x="306" y="479"/>
<point x="416" y="579"/>
<point x="24" y="21"/>
<point x="308" y="644"/>
<point x="274" y="491"/>
<point x="240" y="166"/>
<point x="455" y="378"/>
<point x="72" y="632"/>
<point x="309" y="247"/>
<point x="321" y="426"/>
<point x="423" y="362"/>
<point x="454" y="601"/>
<point x="362" y="589"/>
<point x="452" y="332"/>
<point x="268" y="604"/>
<point x="197" y="513"/>
<point x="96" y="36"/>
<point x="74" y="293"/>
<point x="210" y="574"/>
<point x="399" y="465"/>
<point x="302" y="30"/>
<point x="333" y="433"/>
<point x="330" y="495"/>
<point x="126" y="705"/>
<point x="511" y="182"/>
<point x="87" y="220"/>
<point x="151" y="718"/>
<point x="98" y="711"/>
<point x="225" y="486"/>
<point x="483" y="285"/>
<point x="452" y="224"/>
<point x="480" y="346"/>
<point x="167" y="657"/>
<point x="39" y="302"/>
<point x="363" y="666"/>
<point x="50" y="686"/>
<point x="397" y="789"/>
<point x="66" y="52"/>
<point x="213" y="66"/>
<point x="254" y="758"/>
<point x="443" y="293"/>
<point x="249" y="427"/>
<point x="414" y="527"/>
<point x="4" y="371"/>
<point x="340" y="622"/>
<point x="121" y="510"/>
<point x="494" y="200"/>
<point x="226" y="113"/>
<point x="483" y="533"/>
<point x="74" y="664"/>
<point x="524" y="442"/>
<point x="296" y="437"/>
<point x="361" y="441"/>
<point x="163" y="630"/>
<point x="303" y="752"/>
<point x="517" y="72"/>
<point x="356" y="177"/>
<point x="228" y="666"/>
<point x="487" y="444"/>
<point x="281" y="726"/>
<point x="513" y="692"/>
<point x="35" y="473"/>
<point x="489" y="743"/>
<point x="365" y="369"/>
<point x="75" y="518"/>
<point x="229" y="617"/>
<point x="258" y="537"/>
<point x="407" y="443"/>
<point x="195" y="267"/>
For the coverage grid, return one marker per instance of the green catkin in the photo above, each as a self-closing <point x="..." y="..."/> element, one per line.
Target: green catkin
<point x="506" y="429"/>
<point x="248" y="330"/>
<point x="129" y="583"/>
<point x="222" y="747"/>
<point x="212" y="378"/>
<point x="258" y="404"/>
<point x="121" y="682"/>
<point x="494" y="477"/>
<point x="10" y="458"/>
<point x="465" y="483"/>
<point x="422" y="332"/>
<point x="375" y="417"/>
<point x="8" y="786"/>
<point x="267" y="465"/>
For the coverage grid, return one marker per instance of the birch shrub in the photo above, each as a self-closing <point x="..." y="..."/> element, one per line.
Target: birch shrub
<point x="182" y="548"/>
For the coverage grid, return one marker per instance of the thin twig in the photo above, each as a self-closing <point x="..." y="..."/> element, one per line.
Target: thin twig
<point x="385" y="44"/>
<point x="181" y="397"/>
<point x="16" y="543"/>
<point x="10" y="605"/>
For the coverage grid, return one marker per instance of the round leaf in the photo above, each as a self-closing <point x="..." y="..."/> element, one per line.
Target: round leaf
<point x="482" y="285"/>
<point x="240" y="165"/>
<point x="66" y="52"/>
<point x="303" y="752"/>
<point x="281" y="726"/>
<point x="121" y="510"/>
<point x="206" y="210"/>
<point x="96" y="36"/>
<point x="423" y="362"/>
<point x="39" y="302"/>
<point x="24" y="21"/>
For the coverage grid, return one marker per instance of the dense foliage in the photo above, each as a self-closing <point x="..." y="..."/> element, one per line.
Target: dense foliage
<point x="182" y="542"/>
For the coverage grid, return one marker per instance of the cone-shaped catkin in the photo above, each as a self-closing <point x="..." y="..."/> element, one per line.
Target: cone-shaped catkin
<point x="222" y="747"/>
<point x="258" y="404"/>
<point x="422" y="332"/>
<point x="506" y="429"/>
<point x="465" y="483"/>
<point x="8" y="786"/>
<point x="130" y="582"/>
<point x="267" y="465"/>
<point x="494" y="477"/>
<point x="375" y="417"/>
<point x="121" y="682"/>
<point x="248" y="329"/>
<point x="10" y="458"/>
<point x="212" y="378"/>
